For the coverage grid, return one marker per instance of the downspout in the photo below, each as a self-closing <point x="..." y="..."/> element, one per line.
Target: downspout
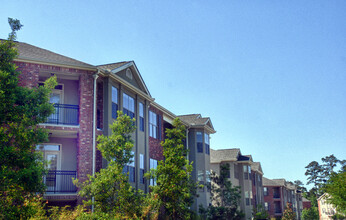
<point x="94" y="124"/>
<point x="94" y="132"/>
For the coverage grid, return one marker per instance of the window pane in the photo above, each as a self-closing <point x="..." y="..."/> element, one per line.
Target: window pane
<point x="199" y="137"/>
<point x="141" y="161"/>
<point x="125" y="101"/>
<point x="48" y="147"/>
<point x="131" y="104"/>
<point x="114" y="95"/>
<point x="141" y="110"/>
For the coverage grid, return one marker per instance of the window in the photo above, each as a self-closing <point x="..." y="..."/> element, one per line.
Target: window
<point x="266" y="206"/>
<point x="152" y="124"/>
<point x="128" y="105"/>
<point x="141" y="168"/>
<point x="246" y="174"/>
<point x="141" y="116"/>
<point x="130" y="169"/>
<point x="199" y="139"/>
<point x="153" y="165"/>
<point x="265" y="190"/>
<point x="208" y="180"/>
<point x="114" y="102"/>
<point x="247" y="197"/>
<point x="206" y="142"/>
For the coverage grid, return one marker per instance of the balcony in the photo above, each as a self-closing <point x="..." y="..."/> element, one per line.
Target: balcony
<point x="60" y="181"/>
<point x="276" y="196"/>
<point x="64" y="115"/>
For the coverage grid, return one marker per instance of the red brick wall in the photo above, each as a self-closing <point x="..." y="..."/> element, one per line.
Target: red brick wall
<point x="84" y="145"/>
<point x="29" y="77"/>
<point x="155" y="148"/>
<point x="29" y="74"/>
<point x="307" y="205"/>
<point x="254" y="189"/>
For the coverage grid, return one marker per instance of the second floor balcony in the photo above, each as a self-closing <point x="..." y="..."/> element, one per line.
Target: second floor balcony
<point x="64" y="114"/>
<point x="60" y="181"/>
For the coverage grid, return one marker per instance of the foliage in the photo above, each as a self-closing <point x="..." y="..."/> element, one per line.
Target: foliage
<point x="21" y="110"/>
<point x="112" y="192"/>
<point x="338" y="216"/>
<point x="336" y="188"/>
<point x="319" y="174"/>
<point x="311" y="213"/>
<point x="225" y="198"/>
<point x="260" y="213"/>
<point x="174" y="191"/>
<point x="288" y="213"/>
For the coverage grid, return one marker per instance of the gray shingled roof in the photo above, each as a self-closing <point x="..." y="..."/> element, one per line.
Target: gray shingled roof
<point x="273" y="182"/>
<point x="33" y="53"/>
<point x="217" y="156"/>
<point x="256" y="166"/>
<point x="190" y="119"/>
<point x="112" y="66"/>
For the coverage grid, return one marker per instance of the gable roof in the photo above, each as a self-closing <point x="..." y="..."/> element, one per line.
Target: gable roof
<point x="196" y="120"/>
<point x="114" y="68"/>
<point x="28" y="52"/>
<point x="218" y="156"/>
<point x="256" y="166"/>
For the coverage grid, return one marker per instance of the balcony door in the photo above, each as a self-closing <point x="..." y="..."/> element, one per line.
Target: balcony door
<point x="51" y="154"/>
<point x="56" y="97"/>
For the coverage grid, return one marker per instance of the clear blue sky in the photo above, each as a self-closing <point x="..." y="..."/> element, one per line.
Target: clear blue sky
<point x="270" y="74"/>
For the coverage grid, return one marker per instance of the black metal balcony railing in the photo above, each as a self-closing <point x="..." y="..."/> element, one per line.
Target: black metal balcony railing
<point x="276" y="196"/>
<point x="64" y="115"/>
<point x="60" y="181"/>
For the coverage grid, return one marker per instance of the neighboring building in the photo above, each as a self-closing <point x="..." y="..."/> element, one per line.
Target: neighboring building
<point x="325" y="209"/>
<point x="257" y="185"/>
<point x="306" y="203"/>
<point x="240" y="174"/>
<point x="277" y="193"/>
<point x="86" y="101"/>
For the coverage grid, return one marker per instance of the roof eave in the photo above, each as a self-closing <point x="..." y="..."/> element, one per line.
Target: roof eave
<point x="43" y="62"/>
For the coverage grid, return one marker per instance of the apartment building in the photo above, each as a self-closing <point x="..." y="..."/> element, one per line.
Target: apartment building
<point x="325" y="209"/>
<point x="86" y="101"/>
<point x="277" y="193"/>
<point x="240" y="175"/>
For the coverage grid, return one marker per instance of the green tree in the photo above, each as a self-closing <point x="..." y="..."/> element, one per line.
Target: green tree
<point x="225" y="198"/>
<point x="110" y="188"/>
<point x="319" y="174"/>
<point x="311" y="213"/>
<point x="260" y="213"/>
<point x="336" y="188"/>
<point x="288" y="213"/>
<point x="174" y="191"/>
<point x="21" y="110"/>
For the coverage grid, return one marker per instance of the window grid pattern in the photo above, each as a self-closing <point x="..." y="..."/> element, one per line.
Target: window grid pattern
<point x="128" y="105"/>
